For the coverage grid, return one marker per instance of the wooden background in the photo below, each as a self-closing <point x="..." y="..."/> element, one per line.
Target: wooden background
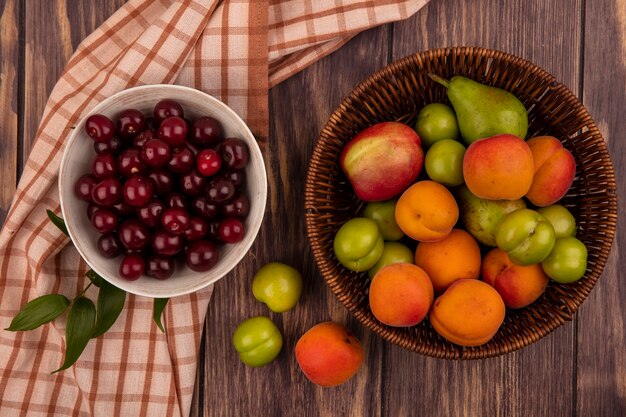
<point x="578" y="370"/>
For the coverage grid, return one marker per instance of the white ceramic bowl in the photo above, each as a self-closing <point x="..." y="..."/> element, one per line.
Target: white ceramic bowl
<point x="77" y="159"/>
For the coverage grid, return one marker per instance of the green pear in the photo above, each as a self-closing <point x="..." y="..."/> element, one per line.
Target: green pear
<point x="481" y="217"/>
<point x="483" y="111"/>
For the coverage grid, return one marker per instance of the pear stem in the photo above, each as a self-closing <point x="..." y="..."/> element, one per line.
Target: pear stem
<point x="439" y="79"/>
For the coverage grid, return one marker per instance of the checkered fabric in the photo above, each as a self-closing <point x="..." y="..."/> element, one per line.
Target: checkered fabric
<point x="232" y="49"/>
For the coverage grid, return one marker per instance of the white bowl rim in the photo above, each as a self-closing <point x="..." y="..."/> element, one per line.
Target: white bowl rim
<point x="251" y="233"/>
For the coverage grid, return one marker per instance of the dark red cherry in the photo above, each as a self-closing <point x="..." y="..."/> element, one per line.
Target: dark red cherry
<point x="155" y="153"/>
<point x="167" y="108"/>
<point x="143" y="137"/>
<point x="84" y="186"/>
<point x="109" y="245"/>
<point x="113" y="145"/>
<point x="129" y="163"/>
<point x="150" y="214"/>
<point x="137" y="191"/>
<point x="175" y="220"/>
<point x="133" y="234"/>
<point x="198" y="229"/>
<point x="206" y="131"/>
<point x="173" y="130"/>
<point x="234" y="153"/>
<point x="238" y="177"/>
<point x="175" y="199"/>
<point x="132" y="267"/>
<point x="104" y="220"/>
<point x="202" y="207"/>
<point x="192" y="183"/>
<point x="91" y="209"/>
<point x="220" y="190"/>
<point x="104" y="165"/>
<point x="182" y="160"/>
<point x="107" y="192"/>
<point x="130" y="123"/>
<point x="99" y="127"/>
<point x="201" y="255"/>
<point x="162" y="181"/>
<point x="238" y="206"/>
<point x="123" y="210"/>
<point x="160" y="267"/>
<point x="165" y="243"/>
<point x="208" y="162"/>
<point x="231" y="230"/>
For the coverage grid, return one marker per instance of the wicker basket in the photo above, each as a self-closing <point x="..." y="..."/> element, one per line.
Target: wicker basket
<point x="397" y="92"/>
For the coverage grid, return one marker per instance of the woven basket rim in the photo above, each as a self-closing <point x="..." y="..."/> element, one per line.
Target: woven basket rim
<point x="387" y="71"/>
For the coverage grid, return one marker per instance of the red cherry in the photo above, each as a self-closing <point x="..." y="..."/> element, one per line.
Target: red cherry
<point x="132" y="267"/>
<point x="137" y="191"/>
<point x="167" y="108"/>
<point x="206" y="131"/>
<point x="201" y="255"/>
<point x="99" y="127"/>
<point x="107" y="192"/>
<point x="104" y="220"/>
<point x="84" y="186"/>
<point x="198" y="229"/>
<point x="133" y="234"/>
<point x="130" y="123"/>
<point x="231" y="230"/>
<point x="155" y="153"/>
<point x="165" y="243"/>
<point x="160" y="267"/>
<point x="175" y="220"/>
<point x="104" y="165"/>
<point x="208" y="162"/>
<point x="173" y="130"/>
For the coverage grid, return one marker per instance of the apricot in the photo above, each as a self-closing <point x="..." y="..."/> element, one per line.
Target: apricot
<point x="498" y="168"/>
<point x="457" y="256"/>
<point x="328" y="354"/>
<point x="555" y="169"/>
<point x="518" y="285"/>
<point x="400" y="295"/>
<point x="427" y="211"/>
<point x="469" y="313"/>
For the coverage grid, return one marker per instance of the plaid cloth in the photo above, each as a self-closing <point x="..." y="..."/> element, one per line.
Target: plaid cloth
<point x="232" y="49"/>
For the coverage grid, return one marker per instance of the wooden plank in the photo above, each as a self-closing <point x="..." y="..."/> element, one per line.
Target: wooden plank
<point x="601" y="372"/>
<point x="299" y="108"/>
<point x="9" y="103"/>
<point x="537" y="380"/>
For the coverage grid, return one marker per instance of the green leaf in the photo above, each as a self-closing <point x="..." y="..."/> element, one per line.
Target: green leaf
<point x="39" y="311"/>
<point x="58" y="222"/>
<point x="159" y="306"/>
<point x="110" y="304"/>
<point x="94" y="277"/>
<point x="80" y="322"/>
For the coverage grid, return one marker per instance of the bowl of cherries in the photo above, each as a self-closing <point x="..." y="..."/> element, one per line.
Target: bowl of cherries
<point x="163" y="189"/>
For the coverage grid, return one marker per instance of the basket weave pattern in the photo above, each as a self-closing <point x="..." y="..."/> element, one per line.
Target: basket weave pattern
<point x="397" y="92"/>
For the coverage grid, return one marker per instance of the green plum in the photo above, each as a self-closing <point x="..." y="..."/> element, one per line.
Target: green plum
<point x="384" y="214"/>
<point x="444" y="162"/>
<point x="561" y="219"/>
<point x="258" y="341"/>
<point x="436" y="121"/>
<point x="393" y="252"/>
<point x="358" y="244"/>
<point x="567" y="262"/>
<point x="526" y="236"/>
<point x="277" y="285"/>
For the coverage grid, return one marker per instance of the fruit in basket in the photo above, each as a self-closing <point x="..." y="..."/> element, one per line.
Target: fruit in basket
<point x="358" y="244"/>
<point x="258" y="341"/>
<point x="469" y="313"/>
<point x="567" y="262"/>
<point x="277" y="285"/>
<point x="500" y="167"/>
<point x="436" y="122"/>
<point x="561" y="220"/>
<point x="481" y="217"/>
<point x="555" y="169"/>
<point x="393" y="252"/>
<point x="400" y="295"/>
<point x="457" y="256"/>
<point x="328" y="354"/>
<point x="444" y="162"/>
<point x="526" y="236"/>
<point x="518" y="285"/>
<point x="483" y="111"/>
<point x="384" y="214"/>
<point x="382" y="160"/>
<point x="427" y="211"/>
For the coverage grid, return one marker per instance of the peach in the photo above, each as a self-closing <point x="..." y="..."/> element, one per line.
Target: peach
<point x="328" y="354"/>
<point x="498" y="168"/>
<point x="426" y="211"/>
<point x="457" y="256"/>
<point x="400" y="295"/>
<point x="469" y="313"/>
<point x="518" y="285"/>
<point x="555" y="169"/>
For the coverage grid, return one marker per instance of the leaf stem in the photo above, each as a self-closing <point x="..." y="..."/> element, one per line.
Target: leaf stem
<point x="439" y="79"/>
